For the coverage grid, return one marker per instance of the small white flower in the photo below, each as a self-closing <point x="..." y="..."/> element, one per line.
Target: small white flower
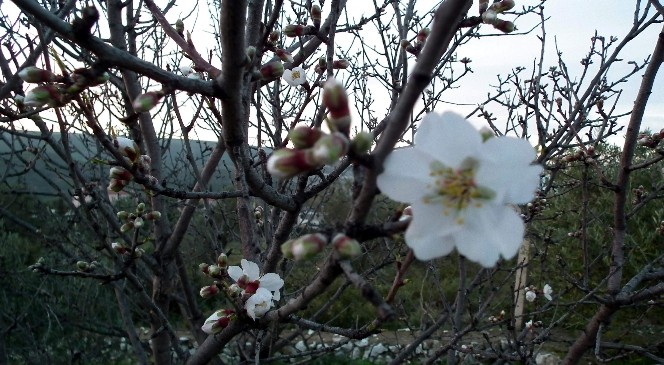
<point x="461" y="189"/>
<point x="529" y="325"/>
<point x="296" y="76"/>
<point x="217" y="321"/>
<point x="547" y="291"/>
<point x="531" y="295"/>
<point x="248" y="278"/>
<point x="259" y="303"/>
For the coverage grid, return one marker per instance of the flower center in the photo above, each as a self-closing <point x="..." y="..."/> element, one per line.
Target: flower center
<point x="295" y="75"/>
<point x="456" y="189"/>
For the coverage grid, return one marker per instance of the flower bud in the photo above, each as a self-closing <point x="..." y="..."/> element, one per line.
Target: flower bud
<point x="32" y="74"/>
<point x="83" y="266"/>
<point x="179" y="27"/>
<point x="307" y="246"/>
<point x="330" y="148"/>
<point x="42" y="95"/>
<point x="502" y="6"/>
<point x="205" y="268"/>
<point x="504" y="26"/>
<point x="340" y="64"/>
<point x="405" y="43"/>
<point x="154" y="215"/>
<point x="234" y="290"/>
<point x="336" y="101"/>
<point x="116" y="185"/>
<point x="489" y="17"/>
<point x="284" y="55"/>
<point x="272" y="70"/>
<point x="423" y="34"/>
<point x="346" y="247"/>
<point x="218" y="321"/>
<point x="222" y="260"/>
<point x="216" y="272"/>
<point x="251" y="53"/>
<point x="362" y="143"/>
<point x="304" y="137"/>
<point x="286" y="162"/>
<point x="316" y="15"/>
<point x="139" y="222"/>
<point x="209" y="291"/>
<point x="138" y="253"/>
<point x="294" y="30"/>
<point x="123" y="215"/>
<point x="127" y="227"/>
<point x="120" y="173"/>
<point x="140" y="208"/>
<point x="147" y="101"/>
<point x="119" y="248"/>
<point x="274" y="36"/>
<point x="287" y="249"/>
<point x="127" y="147"/>
<point x="19" y="99"/>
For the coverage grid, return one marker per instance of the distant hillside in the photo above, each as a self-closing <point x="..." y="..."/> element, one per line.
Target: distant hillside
<point x="30" y="165"/>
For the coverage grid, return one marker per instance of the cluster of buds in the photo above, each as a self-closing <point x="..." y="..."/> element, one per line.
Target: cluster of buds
<point x="121" y="177"/>
<point x="304" y="247"/>
<point x="84" y="266"/>
<point x="57" y="90"/>
<point x="420" y="40"/>
<point x="651" y="140"/>
<point x="499" y="318"/>
<point x="587" y="156"/>
<point x="258" y="215"/>
<point x="340" y="64"/>
<point x="123" y="250"/>
<point x="530" y="325"/>
<point x="299" y="30"/>
<point x="490" y="14"/>
<point x="531" y="292"/>
<point x="313" y="148"/>
<point x="147" y="101"/>
<point x="218" y="321"/>
<point x="638" y="194"/>
<point x="137" y="219"/>
<point x="537" y="205"/>
<point x="660" y="229"/>
<point x="216" y="270"/>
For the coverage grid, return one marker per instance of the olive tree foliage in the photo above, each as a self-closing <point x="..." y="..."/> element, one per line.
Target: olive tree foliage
<point x="68" y="145"/>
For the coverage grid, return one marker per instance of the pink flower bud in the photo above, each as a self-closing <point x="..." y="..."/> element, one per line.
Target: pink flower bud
<point x="284" y="55"/>
<point x="286" y="162"/>
<point x="316" y="15"/>
<point x="423" y="34"/>
<point x="119" y="248"/>
<point x="346" y="247"/>
<point x="294" y="30"/>
<point x="340" y="64"/>
<point x="362" y="143"/>
<point x="330" y="148"/>
<point x="307" y="246"/>
<point x="204" y="268"/>
<point x="336" y="101"/>
<point x="503" y="26"/>
<point x="153" y="215"/>
<point x="272" y="70"/>
<point x="502" y="6"/>
<point x="32" y="74"/>
<point x="116" y="185"/>
<point x="147" y="101"/>
<point x="304" y="137"/>
<point x="274" y="36"/>
<point x="209" y="291"/>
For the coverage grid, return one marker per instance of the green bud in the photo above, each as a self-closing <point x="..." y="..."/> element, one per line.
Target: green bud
<point x="32" y="74"/>
<point x="140" y="208"/>
<point x="147" y="101"/>
<point x="346" y="247"/>
<point x="362" y="143"/>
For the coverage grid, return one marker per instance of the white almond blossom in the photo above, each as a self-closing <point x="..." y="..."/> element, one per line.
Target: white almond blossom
<point x="248" y="278"/>
<point x="461" y="189"/>
<point x="547" y="291"/>
<point x="295" y="76"/>
<point x="259" y="303"/>
<point x="530" y="295"/>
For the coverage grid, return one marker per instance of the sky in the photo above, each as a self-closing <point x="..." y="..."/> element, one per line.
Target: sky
<point x="571" y="25"/>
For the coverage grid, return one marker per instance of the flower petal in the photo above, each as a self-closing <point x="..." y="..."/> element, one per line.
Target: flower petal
<point x="250" y="269"/>
<point x="271" y="281"/>
<point x="505" y="167"/>
<point x="406" y="175"/>
<point x="448" y="138"/>
<point x="235" y="272"/>
<point x="429" y="232"/>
